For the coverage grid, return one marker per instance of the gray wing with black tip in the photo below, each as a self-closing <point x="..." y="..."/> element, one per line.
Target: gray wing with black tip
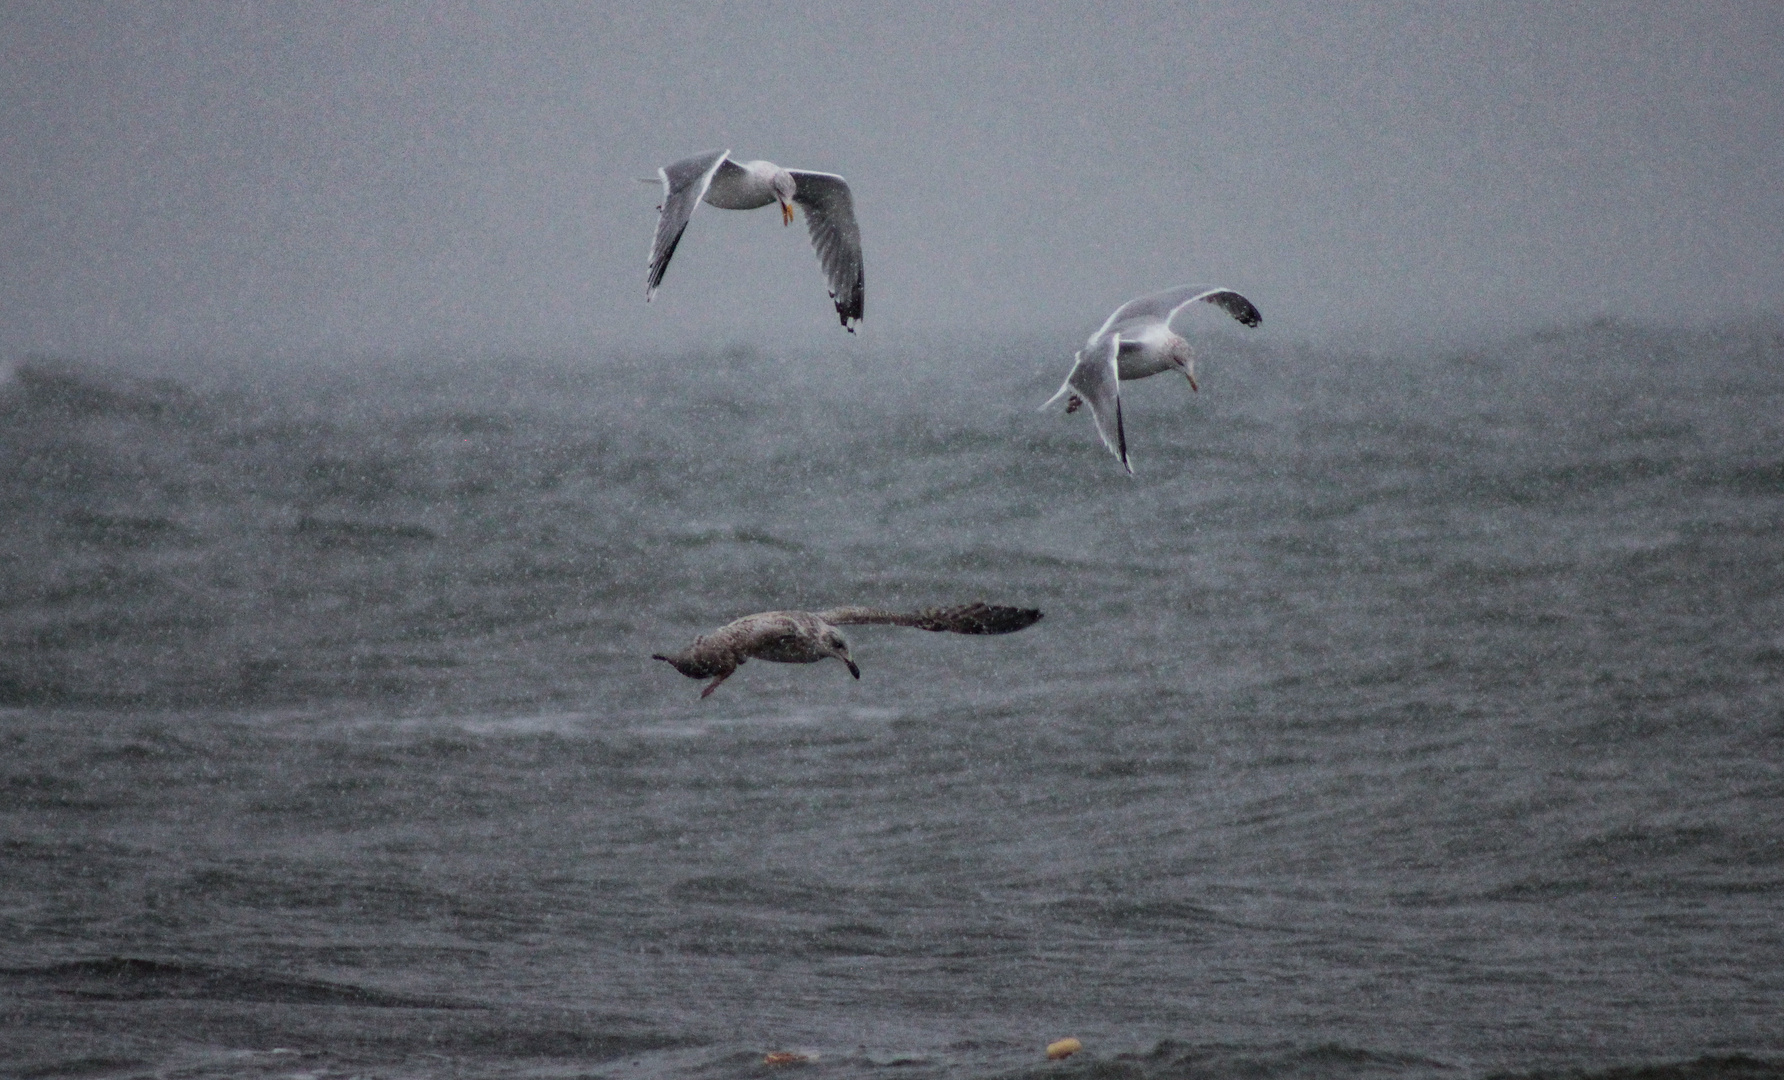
<point x="1162" y="307"/>
<point x="830" y="216"/>
<point x="684" y="185"/>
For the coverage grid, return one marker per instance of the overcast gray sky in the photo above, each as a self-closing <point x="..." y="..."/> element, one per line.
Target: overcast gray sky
<point x="297" y="177"/>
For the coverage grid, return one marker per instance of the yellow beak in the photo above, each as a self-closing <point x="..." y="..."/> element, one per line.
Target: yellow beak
<point x="786" y="213"/>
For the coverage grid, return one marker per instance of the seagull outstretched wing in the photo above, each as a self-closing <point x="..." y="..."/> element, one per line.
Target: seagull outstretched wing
<point x="1095" y="379"/>
<point x="977" y="618"/>
<point x="684" y="185"/>
<point x="1161" y="307"/>
<point x="830" y="215"/>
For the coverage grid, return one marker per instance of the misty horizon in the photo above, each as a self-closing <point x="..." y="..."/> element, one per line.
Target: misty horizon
<point x="294" y="179"/>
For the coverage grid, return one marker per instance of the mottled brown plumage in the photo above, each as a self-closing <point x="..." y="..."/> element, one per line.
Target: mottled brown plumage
<point x="805" y="637"/>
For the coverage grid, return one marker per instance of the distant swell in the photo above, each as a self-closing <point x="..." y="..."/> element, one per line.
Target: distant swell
<point x="1729" y="1067"/>
<point x="128" y="978"/>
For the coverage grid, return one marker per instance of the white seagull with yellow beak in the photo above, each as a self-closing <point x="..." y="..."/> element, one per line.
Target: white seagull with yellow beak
<point x="730" y="185"/>
<point x="1136" y="342"/>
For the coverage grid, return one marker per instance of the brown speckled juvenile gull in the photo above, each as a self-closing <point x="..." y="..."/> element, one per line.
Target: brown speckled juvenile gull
<point x="805" y="637"/>
<point x="715" y="179"/>
<point x="1136" y="341"/>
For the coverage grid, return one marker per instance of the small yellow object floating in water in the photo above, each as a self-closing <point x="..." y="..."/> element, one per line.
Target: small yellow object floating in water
<point x="785" y="1057"/>
<point x="1064" y="1048"/>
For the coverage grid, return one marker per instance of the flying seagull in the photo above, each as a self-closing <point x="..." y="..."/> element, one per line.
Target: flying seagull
<point x="1136" y="342"/>
<point x="805" y="637"/>
<point x="732" y="185"/>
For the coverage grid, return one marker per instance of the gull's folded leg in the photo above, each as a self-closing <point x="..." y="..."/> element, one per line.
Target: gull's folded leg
<point x="714" y="684"/>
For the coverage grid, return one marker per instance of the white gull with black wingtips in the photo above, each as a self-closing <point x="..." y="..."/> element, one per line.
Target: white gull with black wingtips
<point x="1136" y="341"/>
<point x="730" y="185"/>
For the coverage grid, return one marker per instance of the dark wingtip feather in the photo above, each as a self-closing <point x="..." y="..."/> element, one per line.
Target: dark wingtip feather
<point x="980" y="618"/>
<point x="1010" y="620"/>
<point x="1238" y="307"/>
<point x="851" y="308"/>
<point x="1121" y="436"/>
<point x="654" y="277"/>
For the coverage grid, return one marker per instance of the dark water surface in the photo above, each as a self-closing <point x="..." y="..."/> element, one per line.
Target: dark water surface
<point x="1405" y="717"/>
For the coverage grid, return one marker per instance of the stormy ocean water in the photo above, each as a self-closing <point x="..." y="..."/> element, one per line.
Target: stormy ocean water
<point x="1409" y="715"/>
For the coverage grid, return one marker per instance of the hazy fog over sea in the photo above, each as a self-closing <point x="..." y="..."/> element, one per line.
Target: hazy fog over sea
<point x="276" y="179"/>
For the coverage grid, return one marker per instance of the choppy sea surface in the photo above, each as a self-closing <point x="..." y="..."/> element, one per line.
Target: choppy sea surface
<point x="1408" y="715"/>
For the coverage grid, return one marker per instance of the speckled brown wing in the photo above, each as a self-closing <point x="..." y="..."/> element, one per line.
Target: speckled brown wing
<point x="974" y="618"/>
